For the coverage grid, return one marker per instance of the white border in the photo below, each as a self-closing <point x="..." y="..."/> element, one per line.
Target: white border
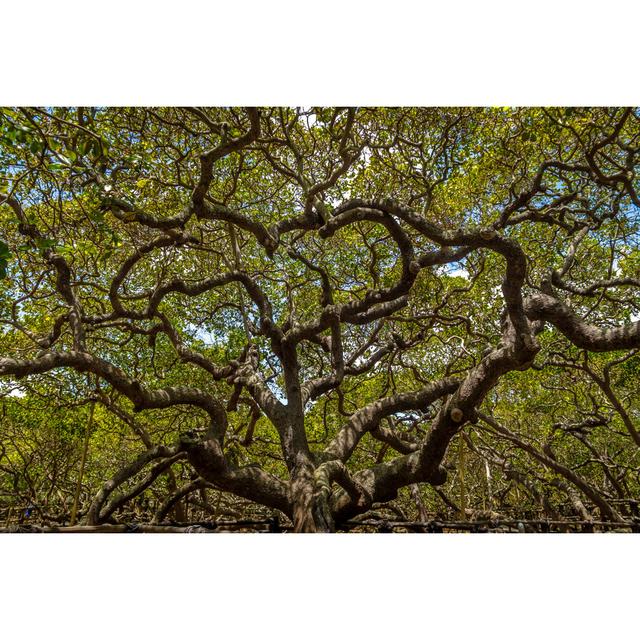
<point x="313" y="587"/>
<point x="489" y="52"/>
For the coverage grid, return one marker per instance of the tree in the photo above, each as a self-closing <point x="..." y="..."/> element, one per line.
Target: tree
<point x="305" y="307"/>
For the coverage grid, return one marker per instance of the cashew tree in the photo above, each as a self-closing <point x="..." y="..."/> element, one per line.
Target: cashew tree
<point x="303" y="308"/>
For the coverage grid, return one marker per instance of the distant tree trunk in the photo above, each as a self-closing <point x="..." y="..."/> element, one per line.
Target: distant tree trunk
<point x="423" y="515"/>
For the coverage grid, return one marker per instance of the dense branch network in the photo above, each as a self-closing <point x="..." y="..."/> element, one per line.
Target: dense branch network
<point x="317" y="245"/>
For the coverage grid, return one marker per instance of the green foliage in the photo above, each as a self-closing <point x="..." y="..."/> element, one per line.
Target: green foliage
<point x="87" y="179"/>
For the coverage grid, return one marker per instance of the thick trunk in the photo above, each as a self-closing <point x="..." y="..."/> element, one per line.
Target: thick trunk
<point x="311" y="512"/>
<point x="312" y="518"/>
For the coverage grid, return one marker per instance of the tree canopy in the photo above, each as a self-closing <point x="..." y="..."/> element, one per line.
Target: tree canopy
<point x="323" y="313"/>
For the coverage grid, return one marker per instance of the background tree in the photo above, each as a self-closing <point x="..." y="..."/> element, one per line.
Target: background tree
<point x="300" y="310"/>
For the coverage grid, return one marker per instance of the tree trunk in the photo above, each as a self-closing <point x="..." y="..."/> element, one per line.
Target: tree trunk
<point x="311" y="512"/>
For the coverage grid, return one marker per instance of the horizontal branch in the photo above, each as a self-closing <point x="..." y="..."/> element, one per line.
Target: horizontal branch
<point x="587" y="336"/>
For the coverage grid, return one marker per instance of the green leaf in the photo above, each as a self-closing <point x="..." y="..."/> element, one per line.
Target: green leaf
<point x="84" y="147"/>
<point x="45" y="243"/>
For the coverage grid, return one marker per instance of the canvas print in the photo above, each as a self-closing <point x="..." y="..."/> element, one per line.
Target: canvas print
<point x="319" y="319"/>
